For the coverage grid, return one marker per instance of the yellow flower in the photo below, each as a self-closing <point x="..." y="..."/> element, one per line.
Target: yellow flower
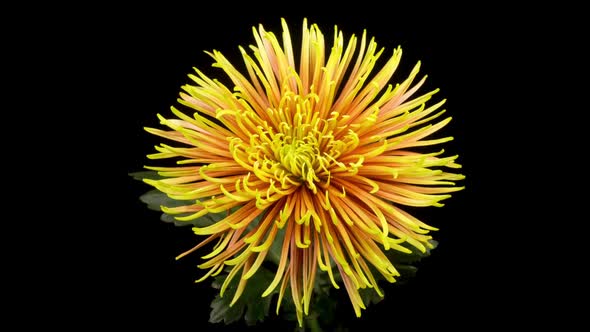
<point x="317" y="149"/>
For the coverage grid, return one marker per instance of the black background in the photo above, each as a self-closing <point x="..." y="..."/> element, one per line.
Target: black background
<point x="464" y="51"/>
<point x="82" y="80"/>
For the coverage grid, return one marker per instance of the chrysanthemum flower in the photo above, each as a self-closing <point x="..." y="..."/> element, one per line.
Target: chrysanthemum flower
<point x="314" y="152"/>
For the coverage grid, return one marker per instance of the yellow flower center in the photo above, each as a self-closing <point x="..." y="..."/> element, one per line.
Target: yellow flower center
<point x="295" y="144"/>
<point x="300" y="158"/>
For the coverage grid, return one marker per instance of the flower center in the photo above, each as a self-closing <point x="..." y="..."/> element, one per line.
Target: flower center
<point x="297" y="142"/>
<point x="301" y="158"/>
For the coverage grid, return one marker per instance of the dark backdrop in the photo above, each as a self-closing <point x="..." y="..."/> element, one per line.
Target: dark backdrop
<point x="88" y="77"/>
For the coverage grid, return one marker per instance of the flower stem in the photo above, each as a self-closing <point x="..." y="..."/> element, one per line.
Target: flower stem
<point x="314" y="325"/>
<point x="311" y="324"/>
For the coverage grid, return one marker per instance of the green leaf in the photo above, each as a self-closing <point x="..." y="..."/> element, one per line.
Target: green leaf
<point x="257" y="312"/>
<point x="397" y="257"/>
<point x="146" y="175"/>
<point x="165" y="217"/>
<point x="403" y="262"/>
<point x="206" y="220"/>
<point x="221" y="311"/>
<point x="325" y="306"/>
<point x="370" y="296"/>
<point x="276" y="247"/>
<point x="251" y="305"/>
<point x="155" y="198"/>
<point x="406" y="271"/>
